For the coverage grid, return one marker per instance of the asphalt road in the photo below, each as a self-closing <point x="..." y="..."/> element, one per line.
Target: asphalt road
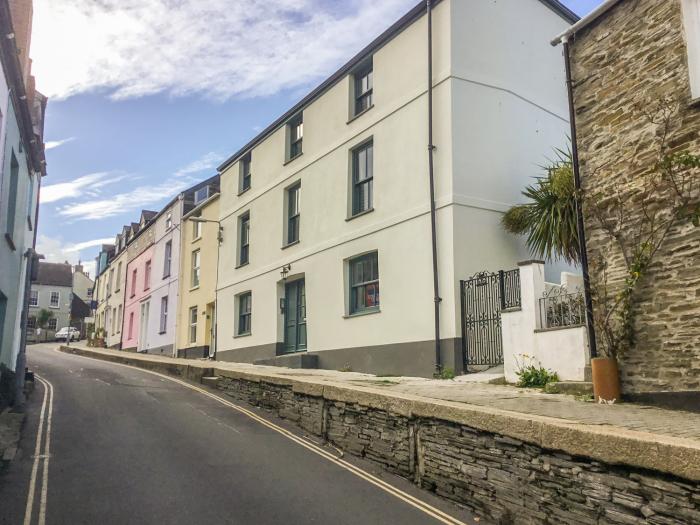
<point x="123" y="446"/>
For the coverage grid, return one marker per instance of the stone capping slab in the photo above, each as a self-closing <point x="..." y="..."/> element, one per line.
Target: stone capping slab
<point x="606" y="443"/>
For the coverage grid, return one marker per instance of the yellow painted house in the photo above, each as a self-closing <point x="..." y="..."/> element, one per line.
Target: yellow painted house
<point x="196" y="316"/>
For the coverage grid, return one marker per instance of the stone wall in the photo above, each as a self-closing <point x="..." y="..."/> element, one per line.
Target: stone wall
<point x="622" y="65"/>
<point x="502" y="479"/>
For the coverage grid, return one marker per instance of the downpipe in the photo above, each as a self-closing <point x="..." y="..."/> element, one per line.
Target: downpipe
<point x="431" y="176"/>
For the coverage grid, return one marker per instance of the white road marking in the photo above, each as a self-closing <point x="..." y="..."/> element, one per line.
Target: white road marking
<point x="47" y="453"/>
<point x="37" y="457"/>
<point x="374" y="480"/>
<point x="45" y="418"/>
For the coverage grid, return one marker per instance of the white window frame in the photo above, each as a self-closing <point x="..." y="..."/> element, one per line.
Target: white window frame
<point x="691" y="22"/>
<point x="192" y="322"/>
<point x="34" y="298"/>
<point x="164" y="314"/>
<point x="196" y="269"/>
<point x="58" y="300"/>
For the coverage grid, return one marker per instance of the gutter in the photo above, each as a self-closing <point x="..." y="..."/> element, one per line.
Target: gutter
<point x="599" y="11"/>
<point x="590" y="328"/>
<point x="431" y="179"/>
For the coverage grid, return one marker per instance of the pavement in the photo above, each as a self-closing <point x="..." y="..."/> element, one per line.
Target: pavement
<point x="118" y="445"/>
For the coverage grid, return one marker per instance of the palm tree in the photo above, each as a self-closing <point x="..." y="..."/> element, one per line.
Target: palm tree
<point x="549" y="218"/>
<point x="43" y="318"/>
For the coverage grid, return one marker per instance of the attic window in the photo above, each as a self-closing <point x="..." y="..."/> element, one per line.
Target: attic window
<point x="691" y="22"/>
<point x="201" y="194"/>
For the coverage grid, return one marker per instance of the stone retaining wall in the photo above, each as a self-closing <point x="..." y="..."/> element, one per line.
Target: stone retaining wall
<point x="505" y="480"/>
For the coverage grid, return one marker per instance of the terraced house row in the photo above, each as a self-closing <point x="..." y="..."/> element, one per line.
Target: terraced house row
<point x="338" y="236"/>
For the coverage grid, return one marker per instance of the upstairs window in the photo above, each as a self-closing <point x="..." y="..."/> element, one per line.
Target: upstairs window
<point x="691" y="22"/>
<point x="147" y="276"/>
<point x="134" y="275"/>
<point x="34" y="298"/>
<point x="167" y="259"/>
<point x="293" y="213"/>
<point x="169" y="221"/>
<point x="55" y="299"/>
<point x="295" y="136"/>
<point x="119" y="274"/>
<point x="196" y="230"/>
<point x="244" y="239"/>
<point x="201" y="194"/>
<point x="362" y="178"/>
<point x="196" y="262"/>
<point x="362" y="89"/>
<point x="364" y="283"/>
<point x="245" y="177"/>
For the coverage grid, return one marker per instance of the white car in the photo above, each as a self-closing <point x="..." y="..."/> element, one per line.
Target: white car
<point x="68" y="334"/>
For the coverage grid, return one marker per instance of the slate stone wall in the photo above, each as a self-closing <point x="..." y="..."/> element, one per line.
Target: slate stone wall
<point x="622" y="66"/>
<point x="503" y="480"/>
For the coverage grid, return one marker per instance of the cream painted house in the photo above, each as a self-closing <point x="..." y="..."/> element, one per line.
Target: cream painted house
<point x="326" y="257"/>
<point x="196" y="312"/>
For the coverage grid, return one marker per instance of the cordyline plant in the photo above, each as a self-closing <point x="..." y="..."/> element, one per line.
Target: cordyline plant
<point x="548" y="220"/>
<point x="637" y="222"/>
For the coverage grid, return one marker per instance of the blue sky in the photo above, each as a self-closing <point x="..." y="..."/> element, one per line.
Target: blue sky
<point x="155" y="95"/>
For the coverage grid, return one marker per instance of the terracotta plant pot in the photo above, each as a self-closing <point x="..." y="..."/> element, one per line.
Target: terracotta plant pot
<point x="606" y="379"/>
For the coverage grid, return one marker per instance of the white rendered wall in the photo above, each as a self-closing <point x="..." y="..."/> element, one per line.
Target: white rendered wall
<point x="564" y="351"/>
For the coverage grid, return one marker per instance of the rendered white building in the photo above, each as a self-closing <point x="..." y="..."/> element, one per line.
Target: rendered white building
<point x="327" y="255"/>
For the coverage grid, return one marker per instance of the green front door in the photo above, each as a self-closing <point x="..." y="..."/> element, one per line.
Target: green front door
<point x="294" y="317"/>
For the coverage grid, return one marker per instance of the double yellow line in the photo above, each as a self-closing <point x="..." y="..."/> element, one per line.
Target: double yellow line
<point x="424" y="507"/>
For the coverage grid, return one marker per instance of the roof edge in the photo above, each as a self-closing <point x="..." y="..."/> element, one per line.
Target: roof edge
<point x="584" y="22"/>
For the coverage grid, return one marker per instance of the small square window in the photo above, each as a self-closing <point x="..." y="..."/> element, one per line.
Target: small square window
<point x="244" y="313"/>
<point x="364" y="283"/>
<point x="201" y="195"/>
<point x="169" y="221"/>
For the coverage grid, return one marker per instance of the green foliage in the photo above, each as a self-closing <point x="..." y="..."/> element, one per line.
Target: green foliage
<point x="548" y="219"/>
<point x="532" y="376"/>
<point x="445" y="373"/>
<point x="43" y="318"/>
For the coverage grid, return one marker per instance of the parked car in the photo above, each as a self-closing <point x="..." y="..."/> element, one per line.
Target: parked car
<point x="68" y="334"/>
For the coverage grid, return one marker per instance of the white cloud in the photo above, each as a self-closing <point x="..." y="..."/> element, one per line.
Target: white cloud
<point x="56" y="250"/>
<point x="84" y="186"/>
<point x="219" y="48"/>
<point x="51" y="144"/>
<point x="206" y="162"/>
<point x="101" y="206"/>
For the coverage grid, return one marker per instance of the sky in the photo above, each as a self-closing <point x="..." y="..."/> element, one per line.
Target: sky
<point x="147" y="97"/>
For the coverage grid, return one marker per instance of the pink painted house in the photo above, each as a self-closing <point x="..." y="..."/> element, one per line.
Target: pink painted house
<point x="137" y="293"/>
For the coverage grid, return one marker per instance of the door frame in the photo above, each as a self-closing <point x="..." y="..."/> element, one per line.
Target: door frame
<point x="143" y="325"/>
<point x="297" y="283"/>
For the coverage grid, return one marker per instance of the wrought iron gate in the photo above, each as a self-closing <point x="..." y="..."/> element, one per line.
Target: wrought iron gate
<point x="484" y="297"/>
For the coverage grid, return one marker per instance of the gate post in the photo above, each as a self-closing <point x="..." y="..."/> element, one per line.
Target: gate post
<point x="463" y="322"/>
<point x="502" y="289"/>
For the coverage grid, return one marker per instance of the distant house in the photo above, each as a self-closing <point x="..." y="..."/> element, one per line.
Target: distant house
<point x="83" y="291"/>
<point x="628" y="57"/>
<point x="52" y="291"/>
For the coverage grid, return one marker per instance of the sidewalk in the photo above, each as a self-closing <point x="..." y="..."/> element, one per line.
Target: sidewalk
<point x="625" y="433"/>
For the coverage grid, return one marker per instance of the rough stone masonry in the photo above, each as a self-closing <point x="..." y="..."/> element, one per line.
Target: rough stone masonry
<point x="505" y="480"/>
<point x="624" y="63"/>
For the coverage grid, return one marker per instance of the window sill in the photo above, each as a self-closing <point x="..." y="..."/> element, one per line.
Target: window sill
<point x="245" y="334"/>
<point x="162" y="333"/>
<point x="289" y="245"/>
<point x="360" y="214"/>
<point x="241" y="192"/>
<point x="193" y="288"/>
<point x="11" y="243"/>
<point x="292" y="159"/>
<point x="166" y="276"/>
<point x="362" y="313"/>
<point x="241" y="265"/>
<point x="196" y="239"/>
<point x="54" y="307"/>
<point x="358" y="115"/>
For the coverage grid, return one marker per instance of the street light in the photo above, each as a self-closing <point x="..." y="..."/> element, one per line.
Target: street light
<point x="220" y="238"/>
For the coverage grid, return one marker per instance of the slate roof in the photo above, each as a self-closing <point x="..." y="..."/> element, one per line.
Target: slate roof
<point x="55" y="274"/>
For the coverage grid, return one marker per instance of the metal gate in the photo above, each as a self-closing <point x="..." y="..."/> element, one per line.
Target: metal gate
<point x="484" y="297"/>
